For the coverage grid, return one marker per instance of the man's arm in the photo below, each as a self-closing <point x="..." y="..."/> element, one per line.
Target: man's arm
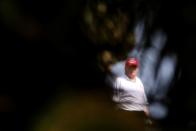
<point x="146" y="111"/>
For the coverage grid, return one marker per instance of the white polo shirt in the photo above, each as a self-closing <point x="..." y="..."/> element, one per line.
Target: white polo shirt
<point x="129" y="95"/>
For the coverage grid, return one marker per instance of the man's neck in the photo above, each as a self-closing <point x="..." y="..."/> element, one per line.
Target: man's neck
<point x="131" y="79"/>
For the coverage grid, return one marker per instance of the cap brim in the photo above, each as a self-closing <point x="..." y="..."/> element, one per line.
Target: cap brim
<point x="132" y="65"/>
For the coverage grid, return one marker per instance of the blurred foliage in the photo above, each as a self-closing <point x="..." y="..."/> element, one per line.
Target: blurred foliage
<point x="104" y="27"/>
<point x="109" y="28"/>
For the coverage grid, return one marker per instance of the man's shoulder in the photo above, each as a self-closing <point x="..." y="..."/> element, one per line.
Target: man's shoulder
<point x="138" y="79"/>
<point x="121" y="78"/>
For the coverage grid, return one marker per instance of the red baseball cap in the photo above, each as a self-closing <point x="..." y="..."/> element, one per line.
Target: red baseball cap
<point x="132" y="62"/>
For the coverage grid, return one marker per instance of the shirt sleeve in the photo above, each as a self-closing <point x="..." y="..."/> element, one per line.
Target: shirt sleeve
<point x="145" y="97"/>
<point x="116" y="90"/>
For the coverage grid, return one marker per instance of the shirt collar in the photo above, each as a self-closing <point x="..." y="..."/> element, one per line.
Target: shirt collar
<point x="126" y="77"/>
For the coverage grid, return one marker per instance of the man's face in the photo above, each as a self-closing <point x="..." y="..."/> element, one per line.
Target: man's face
<point x="131" y="71"/>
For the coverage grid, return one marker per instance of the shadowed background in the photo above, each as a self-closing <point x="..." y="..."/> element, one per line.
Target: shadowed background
<point x="50" y="54"/>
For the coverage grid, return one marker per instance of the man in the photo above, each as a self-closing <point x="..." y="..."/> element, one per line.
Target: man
<point x="129" y="94"/>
